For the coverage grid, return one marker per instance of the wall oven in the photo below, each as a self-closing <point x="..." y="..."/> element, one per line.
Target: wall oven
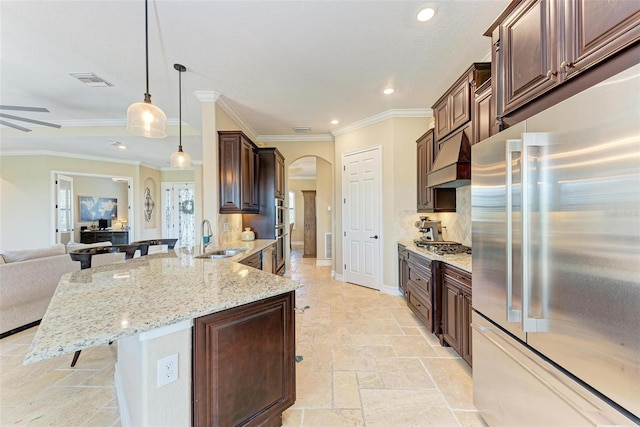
<point x="280" y="233"/>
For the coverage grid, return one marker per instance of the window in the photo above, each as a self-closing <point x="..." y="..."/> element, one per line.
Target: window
<point x="292" y="208"/>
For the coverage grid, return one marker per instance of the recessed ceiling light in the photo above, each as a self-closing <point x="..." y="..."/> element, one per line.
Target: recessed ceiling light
<point x="334" y="122"/>
<point x="426" y="14"/>
<point x="388" y="91"/>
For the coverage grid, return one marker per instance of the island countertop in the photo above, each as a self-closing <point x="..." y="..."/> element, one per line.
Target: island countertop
<point x="103" y="304"/>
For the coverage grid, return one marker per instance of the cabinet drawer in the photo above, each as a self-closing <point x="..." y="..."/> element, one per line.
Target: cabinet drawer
<point x="420" y="304"/>
<point x="457" y="275"/>
<point x="420" y="280"/>
<point x="420" y="262"/>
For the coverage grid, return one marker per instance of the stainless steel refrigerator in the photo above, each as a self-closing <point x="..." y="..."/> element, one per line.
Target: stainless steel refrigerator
<point x="556" y="263"/>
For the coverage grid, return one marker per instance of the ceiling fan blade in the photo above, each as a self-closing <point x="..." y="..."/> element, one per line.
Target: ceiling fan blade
<point x="18" y="108"/>
<point x="11" y="125"/>
<point x="24" y="119"/>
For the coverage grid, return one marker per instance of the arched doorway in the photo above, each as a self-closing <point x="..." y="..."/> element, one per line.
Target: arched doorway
<point x="305" y="175"/>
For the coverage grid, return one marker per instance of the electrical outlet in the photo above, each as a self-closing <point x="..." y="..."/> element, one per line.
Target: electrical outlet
<point x="168" y="370"/>
<point x="225" y="226"/>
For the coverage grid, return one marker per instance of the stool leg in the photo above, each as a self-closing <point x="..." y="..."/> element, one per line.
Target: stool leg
<point x="75" y="358"/>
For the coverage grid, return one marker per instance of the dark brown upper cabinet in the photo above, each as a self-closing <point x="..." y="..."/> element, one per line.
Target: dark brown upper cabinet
<point x="540" y="45"/>
<point x="238" y="163"/>
<point x="431" y="199"/>
<point x="453" y="109"/>
<point x="484" y="122"/>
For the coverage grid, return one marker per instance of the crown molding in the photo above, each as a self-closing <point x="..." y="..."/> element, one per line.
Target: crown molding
<point x="71" y="156"/>
<point x="323" y="137"/>
<point x="244" y="125"/>
<point x="386" y="115"/>
<point x="207" y="95"/>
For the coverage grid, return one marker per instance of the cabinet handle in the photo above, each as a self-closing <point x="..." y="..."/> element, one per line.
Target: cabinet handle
<point x="551" y="73"/>
<point x="418" y="305"/>
<point x="566" y="64"/>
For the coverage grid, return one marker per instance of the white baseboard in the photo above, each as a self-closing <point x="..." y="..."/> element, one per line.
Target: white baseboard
<point x="338" y="277"/>
<point x="297" y="243"/>
<point x="391" y="290"/>
<point x="122" y="400"/>
<point x="323" y="262"/>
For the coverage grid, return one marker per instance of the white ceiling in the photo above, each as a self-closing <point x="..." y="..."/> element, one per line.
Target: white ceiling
<point x="277" y="64"/>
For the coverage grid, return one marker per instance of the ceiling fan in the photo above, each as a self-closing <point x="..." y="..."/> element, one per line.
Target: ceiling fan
<point x="23" y="119"/>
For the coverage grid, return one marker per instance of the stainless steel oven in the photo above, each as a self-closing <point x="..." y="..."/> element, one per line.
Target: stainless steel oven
<point x="280" y="234"/>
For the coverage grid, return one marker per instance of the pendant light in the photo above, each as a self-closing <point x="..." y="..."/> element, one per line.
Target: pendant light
<point x="144" y="118"/>
<point x="180" y="159"/>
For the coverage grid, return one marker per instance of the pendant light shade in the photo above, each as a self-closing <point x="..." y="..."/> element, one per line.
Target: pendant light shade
<point x="180" y="159"/>
<point x="144" y="118"/>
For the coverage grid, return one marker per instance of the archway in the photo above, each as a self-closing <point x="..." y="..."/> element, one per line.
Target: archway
<point x="312" y="173"/>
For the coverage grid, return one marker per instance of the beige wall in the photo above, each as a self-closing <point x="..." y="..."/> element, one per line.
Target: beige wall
<point x="396" y="137"/>
<point x="27" y="196"/>
<point x="296" y="186"/>
<point x="99" y="187"/>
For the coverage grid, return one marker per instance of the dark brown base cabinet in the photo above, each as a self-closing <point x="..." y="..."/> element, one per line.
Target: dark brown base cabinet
<point x="456" y="310"/>
<point x="115" y="237"/>
<point x="244" y="364"/>
<point x="403" y="269"/>
<point x="422" y="292"/>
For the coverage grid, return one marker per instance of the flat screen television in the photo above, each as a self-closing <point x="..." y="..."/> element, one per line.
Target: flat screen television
<point x="103" y="224"/>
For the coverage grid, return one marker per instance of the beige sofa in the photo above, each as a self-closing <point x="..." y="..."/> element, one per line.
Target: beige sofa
<point x="28" y="279"/>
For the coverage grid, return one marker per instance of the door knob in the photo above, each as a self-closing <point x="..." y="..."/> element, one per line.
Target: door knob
<point x="374" y="237"/>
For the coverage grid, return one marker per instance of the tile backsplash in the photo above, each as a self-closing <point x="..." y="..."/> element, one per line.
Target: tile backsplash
<point x="233" y="230"/>
<point x="456" y="226"/>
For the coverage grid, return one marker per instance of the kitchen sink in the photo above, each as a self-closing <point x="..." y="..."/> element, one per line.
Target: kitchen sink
<point x="221" y="253"/>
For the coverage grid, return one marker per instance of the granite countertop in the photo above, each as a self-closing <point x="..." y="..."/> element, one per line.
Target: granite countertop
<point x="462" y="261"/>
<point x="106" y="303"/>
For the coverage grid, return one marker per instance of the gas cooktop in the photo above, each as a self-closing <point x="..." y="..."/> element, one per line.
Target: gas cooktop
<point x="443" y="248"/>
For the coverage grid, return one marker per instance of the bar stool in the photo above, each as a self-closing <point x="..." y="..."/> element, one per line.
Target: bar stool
<point x="84" y="255"/>
<point x="144" y="244"/>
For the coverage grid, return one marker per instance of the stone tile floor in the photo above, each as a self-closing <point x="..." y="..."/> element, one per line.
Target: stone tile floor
<point x="366" y="361"/>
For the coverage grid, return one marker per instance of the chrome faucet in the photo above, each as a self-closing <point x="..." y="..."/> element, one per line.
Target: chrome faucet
<point x="206" y="238"/>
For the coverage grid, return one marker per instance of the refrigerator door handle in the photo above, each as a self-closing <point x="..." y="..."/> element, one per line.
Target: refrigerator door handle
<point x="512" y="146"/>
<point x="539" y="139"/>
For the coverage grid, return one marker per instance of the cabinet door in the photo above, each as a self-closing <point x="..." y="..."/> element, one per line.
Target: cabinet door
<point x="442" y="115"/>
<point x="529" y="44"/>
<point x="249" y="191"/>
<point x="424" y="194"/>
<point x="466" y="328"/>
<point x="451" y="315"/>
<point x="483" y="114"/>
<point x="594" y="30"/>
<point x="279" y="178"/>
<point x="229" y="164"/>
<point x="244" y="364"/>
<point x="460" y="101"/>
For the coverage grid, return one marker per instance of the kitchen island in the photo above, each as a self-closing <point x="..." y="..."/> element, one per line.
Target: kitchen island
<point x="150" y="306"/>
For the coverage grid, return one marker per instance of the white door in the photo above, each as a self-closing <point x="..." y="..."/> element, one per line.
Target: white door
<point x="64" y="209"/>
<point x="178" y="219"/>
<point x="361" y="189"/>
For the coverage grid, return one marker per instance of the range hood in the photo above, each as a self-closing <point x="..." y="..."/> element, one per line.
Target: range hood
<point x="452" y="167"/>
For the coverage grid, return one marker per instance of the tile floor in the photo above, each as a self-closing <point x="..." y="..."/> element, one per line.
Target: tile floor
<point x="366" y="361"/>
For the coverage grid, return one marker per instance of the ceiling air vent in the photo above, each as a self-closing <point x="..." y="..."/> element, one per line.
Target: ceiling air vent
<point x="302" y="129"/>
<point x="91" y="79"/>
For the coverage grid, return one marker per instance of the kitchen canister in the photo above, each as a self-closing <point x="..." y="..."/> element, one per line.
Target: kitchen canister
<point x="247" y="234"/>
